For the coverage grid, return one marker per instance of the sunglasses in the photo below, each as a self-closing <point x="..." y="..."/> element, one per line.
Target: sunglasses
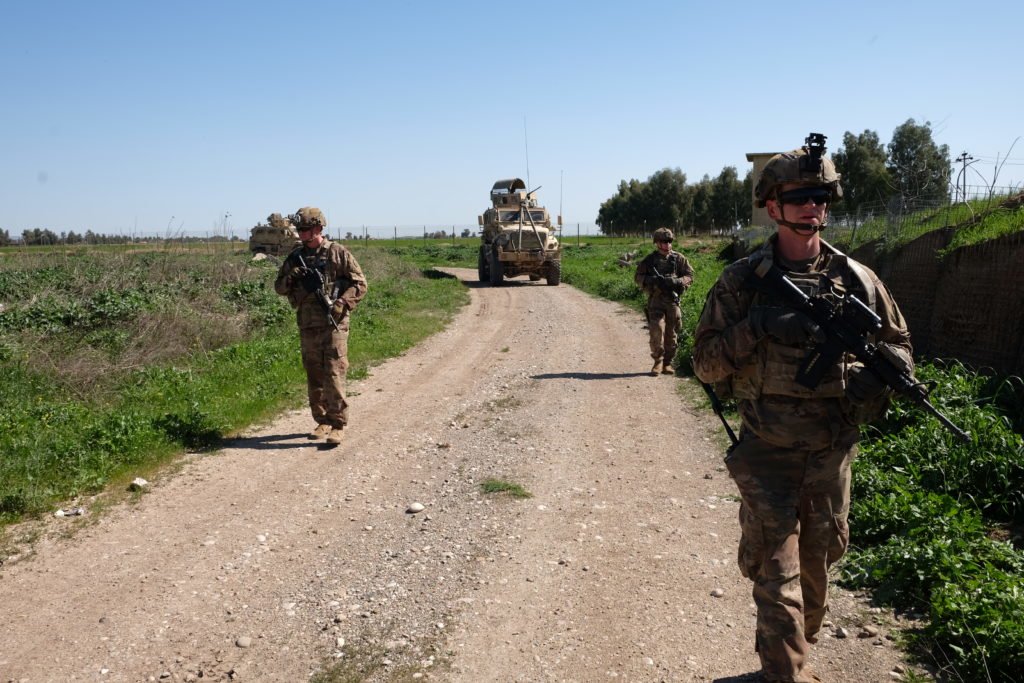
<point x="802" y="195"/>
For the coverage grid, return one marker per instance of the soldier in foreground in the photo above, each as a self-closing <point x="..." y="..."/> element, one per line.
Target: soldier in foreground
<point x="792" y="461"/>
<point x="324" y="284"/>
<point x="663" y="275"/>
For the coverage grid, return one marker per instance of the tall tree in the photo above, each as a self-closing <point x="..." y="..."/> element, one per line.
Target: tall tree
<point x="865" y="178"/>
<point x="661" y="200"/>
<point x="726" y="199"/>
<point x="701" y="217"/>
<point x="665" y="199"/>
<point x="919" y="168"/>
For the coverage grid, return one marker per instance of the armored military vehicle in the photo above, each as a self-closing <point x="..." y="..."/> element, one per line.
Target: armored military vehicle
<point x="277" y="238"/>
<point x="517" y="236"/>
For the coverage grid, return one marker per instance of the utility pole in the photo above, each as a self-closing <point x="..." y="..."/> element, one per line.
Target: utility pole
<point x="963" y="159"/>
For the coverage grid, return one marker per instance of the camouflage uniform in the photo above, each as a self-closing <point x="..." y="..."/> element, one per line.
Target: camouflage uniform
<point x="324" y="349"/>
<point x="664" y="319"/>
<point x="792" y="463"/>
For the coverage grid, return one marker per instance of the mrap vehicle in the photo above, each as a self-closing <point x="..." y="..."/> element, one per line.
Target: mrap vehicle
<point x="517" y="237"/>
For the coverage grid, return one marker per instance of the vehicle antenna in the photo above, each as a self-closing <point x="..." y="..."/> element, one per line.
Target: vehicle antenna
<point x="526" y="143"/>
<point x="561" y="175"/>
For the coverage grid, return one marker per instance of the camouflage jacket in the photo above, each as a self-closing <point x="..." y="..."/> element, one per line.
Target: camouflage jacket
<point x="760" y="373"/>
<point x="343" y="277"/>
<point x="674" y="265"/>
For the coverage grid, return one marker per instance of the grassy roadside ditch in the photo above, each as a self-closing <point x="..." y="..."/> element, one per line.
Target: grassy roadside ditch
<point x="113" y="361"/>
<point x="936" y="525"/>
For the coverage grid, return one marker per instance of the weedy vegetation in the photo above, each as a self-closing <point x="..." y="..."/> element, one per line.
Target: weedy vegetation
<point x="502" y="486"/>
<point x="114" y="360"/>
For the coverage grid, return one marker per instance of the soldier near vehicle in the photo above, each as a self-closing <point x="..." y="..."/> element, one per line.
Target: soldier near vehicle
<point x="799" y="427"/>
<point x="324" y="284"/>
<point x="664" y="275"/>
<point x="517" y="237"/>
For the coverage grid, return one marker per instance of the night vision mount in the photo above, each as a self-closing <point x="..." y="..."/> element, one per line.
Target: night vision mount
<point x="815" y="144"/>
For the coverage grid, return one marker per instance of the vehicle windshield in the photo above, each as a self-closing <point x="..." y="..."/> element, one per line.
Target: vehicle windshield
<point x="513" y="216"/>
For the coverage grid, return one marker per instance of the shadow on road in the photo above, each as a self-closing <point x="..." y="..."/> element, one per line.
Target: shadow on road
<point x="271" y="442"/>
<point x="476" y="284"/>
<point x="752" y="677"/>
<point x="591" y="375"/>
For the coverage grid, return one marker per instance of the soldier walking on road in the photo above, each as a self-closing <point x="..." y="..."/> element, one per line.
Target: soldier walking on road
<point x="324" y="284"/>
<point x="792" y="461"/>
<point x="664" y="275"/>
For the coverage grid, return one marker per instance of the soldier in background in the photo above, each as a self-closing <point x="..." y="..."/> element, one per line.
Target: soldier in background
<point x="663" y="274"/>
<point x="792" y="462"/>
<point x="324" y="284"/>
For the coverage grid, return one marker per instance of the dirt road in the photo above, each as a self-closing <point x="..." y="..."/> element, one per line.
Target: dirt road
<point x="276" y="558"/>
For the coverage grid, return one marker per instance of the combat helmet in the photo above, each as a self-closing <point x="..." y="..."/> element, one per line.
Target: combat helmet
<point x="805" y="166"/>
<point x="663" y="235"/>
<point x="309" y="217"/>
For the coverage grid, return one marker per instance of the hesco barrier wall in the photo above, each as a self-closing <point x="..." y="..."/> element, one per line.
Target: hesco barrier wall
<point x="968" y="305"/>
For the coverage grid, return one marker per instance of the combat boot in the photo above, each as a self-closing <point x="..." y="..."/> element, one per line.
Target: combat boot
<point x="335" y="436"/>
<point x="320" y="432"/>
<point x="656" y="368"/>
<point x="667" y="369"/>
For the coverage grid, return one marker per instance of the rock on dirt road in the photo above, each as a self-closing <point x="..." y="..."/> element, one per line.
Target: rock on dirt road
<point x="276" y="558"/>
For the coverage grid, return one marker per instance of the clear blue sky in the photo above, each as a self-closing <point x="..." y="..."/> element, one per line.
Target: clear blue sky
<point x="191" y="116"/>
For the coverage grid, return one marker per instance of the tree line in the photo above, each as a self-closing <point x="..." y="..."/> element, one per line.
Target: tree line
<point x="910" y="169"/>
<point x="665" y="199"/>
<point x="38" y="236"/>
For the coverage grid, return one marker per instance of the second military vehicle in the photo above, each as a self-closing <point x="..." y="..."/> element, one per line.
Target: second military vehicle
<point x="277" y="238"/>
<point x="517" y="237"/>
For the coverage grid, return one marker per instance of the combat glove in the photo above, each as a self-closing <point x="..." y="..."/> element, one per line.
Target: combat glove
<point x="338" y="309"/>
<point x="784" y="324"/>
<point x="863" y="386"/>
<point x="311" y="280"/>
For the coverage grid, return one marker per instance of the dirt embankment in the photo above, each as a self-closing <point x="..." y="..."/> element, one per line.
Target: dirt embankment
<point x="274" y="557"/>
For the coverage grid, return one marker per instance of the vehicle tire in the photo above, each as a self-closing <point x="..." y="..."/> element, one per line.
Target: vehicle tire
<point x="494" y="269"/>
<point x="554" y="273"/>
<point x="481" y="266"/>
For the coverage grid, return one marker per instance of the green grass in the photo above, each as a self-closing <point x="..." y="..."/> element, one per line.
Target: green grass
<point x="976" y="221"/>
<point x="931" y="521"/>
<point x="90" y="393"/>
<point x="502" y="486"/>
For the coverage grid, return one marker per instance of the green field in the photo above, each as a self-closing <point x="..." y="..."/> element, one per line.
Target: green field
<point x="114" y="360"/>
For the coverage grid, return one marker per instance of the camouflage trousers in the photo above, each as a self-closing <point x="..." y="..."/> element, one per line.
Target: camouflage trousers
<point x="664" y="322"/>
<point x="325" y="358"/>
<point x="793" y="521"/>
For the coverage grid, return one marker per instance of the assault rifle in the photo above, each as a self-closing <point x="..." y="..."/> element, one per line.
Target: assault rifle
<point x="847" y="322"/>
<point x="313" y="282"/>
<point x="665" y="284"/>
<point x="716" y="405"/>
